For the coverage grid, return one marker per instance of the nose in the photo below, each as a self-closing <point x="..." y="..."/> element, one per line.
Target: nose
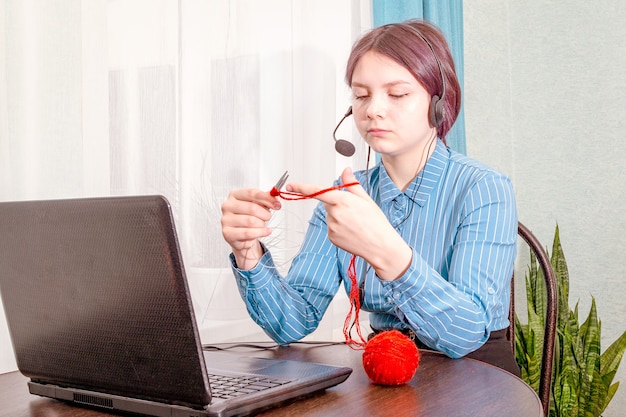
<point x="376" y="108"/>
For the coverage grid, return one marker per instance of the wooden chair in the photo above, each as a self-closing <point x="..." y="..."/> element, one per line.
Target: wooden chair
<point x="547" y="359"/>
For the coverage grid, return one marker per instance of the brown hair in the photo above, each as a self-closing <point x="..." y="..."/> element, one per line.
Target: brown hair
<point x="402" y="43"/>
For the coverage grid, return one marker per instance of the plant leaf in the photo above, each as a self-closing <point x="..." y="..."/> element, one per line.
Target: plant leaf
<point x="589" y="343"/>
<point x="609" y="362"/>
<point x="612" y="356"/>
<point x="609" y="396"/>
<point x="559" y="264"/>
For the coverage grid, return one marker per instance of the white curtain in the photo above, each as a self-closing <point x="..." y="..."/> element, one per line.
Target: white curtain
<point x="185" y="98"/>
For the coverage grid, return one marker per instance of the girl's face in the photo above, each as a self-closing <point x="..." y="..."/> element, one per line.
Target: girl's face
<point x="390" y="108"/>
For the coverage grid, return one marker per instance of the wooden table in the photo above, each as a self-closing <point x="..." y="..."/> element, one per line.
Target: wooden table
<point x="441" y="387"/>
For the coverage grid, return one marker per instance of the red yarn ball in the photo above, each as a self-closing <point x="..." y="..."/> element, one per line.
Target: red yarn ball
<point x="390" y="358"/>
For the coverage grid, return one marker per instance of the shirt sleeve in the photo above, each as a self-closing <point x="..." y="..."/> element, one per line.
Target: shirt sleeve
<point x="288" y="308"/>
<point x="455" y="313"/>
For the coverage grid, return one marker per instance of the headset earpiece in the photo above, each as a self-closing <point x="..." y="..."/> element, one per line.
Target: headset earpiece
<point x="436" y="111"/>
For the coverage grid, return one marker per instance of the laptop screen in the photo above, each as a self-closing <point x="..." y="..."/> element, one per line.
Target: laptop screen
<point x="98" y="300"/>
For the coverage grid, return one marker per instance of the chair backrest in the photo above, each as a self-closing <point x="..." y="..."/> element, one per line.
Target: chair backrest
<point x="547" y="358"/>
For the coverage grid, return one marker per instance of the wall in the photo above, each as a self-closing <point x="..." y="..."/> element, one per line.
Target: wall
<point x="545" y="94"/>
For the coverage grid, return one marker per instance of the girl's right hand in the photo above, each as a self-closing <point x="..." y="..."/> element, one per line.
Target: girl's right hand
<point x="244" y="214"/>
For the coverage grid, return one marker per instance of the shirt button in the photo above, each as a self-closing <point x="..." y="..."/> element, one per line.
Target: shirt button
<point x="490" y="290"/>
<point x="396" y="296"/>
<point x="243" y="282"/>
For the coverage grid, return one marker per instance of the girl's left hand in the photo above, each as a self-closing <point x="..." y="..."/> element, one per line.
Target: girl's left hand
<point x="357" y="225"/>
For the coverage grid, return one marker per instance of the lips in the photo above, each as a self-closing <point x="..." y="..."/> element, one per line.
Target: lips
<point x="377" y="132"/>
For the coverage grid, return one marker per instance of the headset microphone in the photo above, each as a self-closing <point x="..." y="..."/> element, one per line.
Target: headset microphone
<point x="342" y="146"/>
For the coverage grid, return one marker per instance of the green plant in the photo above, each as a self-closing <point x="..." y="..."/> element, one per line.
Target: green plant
<point x="582" y="380"/>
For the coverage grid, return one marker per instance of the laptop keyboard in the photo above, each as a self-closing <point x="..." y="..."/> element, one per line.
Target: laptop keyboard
<point x="226" y="387"/>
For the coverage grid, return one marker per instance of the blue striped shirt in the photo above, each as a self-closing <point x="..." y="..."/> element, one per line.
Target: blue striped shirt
<point x="459" y="218"/>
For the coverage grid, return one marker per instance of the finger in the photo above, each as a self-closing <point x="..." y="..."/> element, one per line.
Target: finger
<point x="244" y="208"/>
<point x="250" y="195"/>
<point x="302" y="188"/>
<point x="302" y="191"/>
<point x="347" y="177"/>
<point x="238" y="230"/>
<point x="263" y="198"/>
<point x="233" y="219"/>
<point x="238" y="237"/>
<point x="326" y="195"/>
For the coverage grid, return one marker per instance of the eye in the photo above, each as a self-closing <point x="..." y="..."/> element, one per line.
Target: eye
<point x="360" y="94"/>
<point x="397" y="96"/>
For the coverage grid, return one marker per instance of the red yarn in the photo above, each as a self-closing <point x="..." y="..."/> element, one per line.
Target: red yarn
<point x="355" y="307"/>
<point x="390" y="358"/>
<point x="288" y="195"/>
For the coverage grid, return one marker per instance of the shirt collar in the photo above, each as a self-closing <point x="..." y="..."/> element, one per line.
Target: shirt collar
<point x="421" y="187"/>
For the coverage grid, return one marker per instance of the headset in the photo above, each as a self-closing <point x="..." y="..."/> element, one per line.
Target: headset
<point x="436" y="111"/>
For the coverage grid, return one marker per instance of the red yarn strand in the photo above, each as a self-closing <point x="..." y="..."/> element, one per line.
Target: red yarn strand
<point x="288" y="195"/>
<point x="355" y="307"/>
<point x="355" y="297"/>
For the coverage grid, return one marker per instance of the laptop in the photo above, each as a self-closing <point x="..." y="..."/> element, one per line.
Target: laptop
<point x="100" y="315"/>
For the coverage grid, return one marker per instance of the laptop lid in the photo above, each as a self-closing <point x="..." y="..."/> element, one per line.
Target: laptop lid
<point x="99" y="311"/>
<point x="95" y="297"/>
